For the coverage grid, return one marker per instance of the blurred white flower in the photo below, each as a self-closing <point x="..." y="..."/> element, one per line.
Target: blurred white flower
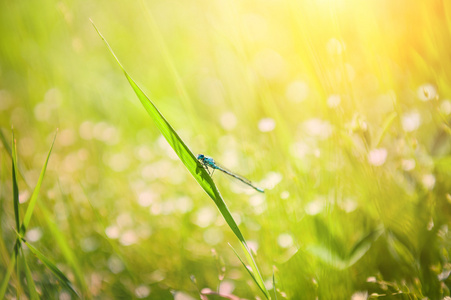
<point x="377" y="157"/>
<point x="271" y="180"/>
<point x="182" y="296"/>
<point x="315" y="207"/>
<point x="348" y="205"/>
<point x="213" y="236"/>
<point x="284" y="194"/>
<point x="285" y="240"/>
<point x="5" y="100"/>
<point x="426" y="92"/>
<point x="411" y="121"/>
<point x="266" y="125"/>
<point x="317" y="127"/>
<point x="360" y="296"/>
<point x="205" y="216"/>
<point x="89" y="244"/>
<point x="145" y="199"/>
<point x="445" y="107"/>
<point x="115" y="264"/>
<point x="86" y="130"/>
<point x="300" y="149"/>
<point x="335" y="47"/>
<point x="350" y="72"/>
<point x="228" y="120"/>
<point x="112" y="232"/>
<point x="253" y="245"/>
<point x="408" y="164"/>
<point x="211" y="91"/>
<point x="34" y="234"/>
<point x="24" y="196"/>
<point x="142" y="291"/>
<point x="128" y="238"/>
<point x="226" y="287"/>
<point x="269" y="64"/>
<point x="428" y="181"/>
<point x="64" y="296"/>
<point x="333" y="101"/>
<point x="297" y="91"/>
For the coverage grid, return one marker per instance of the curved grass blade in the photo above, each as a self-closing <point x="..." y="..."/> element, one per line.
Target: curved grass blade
<point x="191" y="163"/>
<point x="15" y="187"/>
<point x="256" y="280"/>
<point x="16" y="210"/>
<point x="274" y="285"/>
<point x="66" y="250"/>
<point x="52" y="267"/>
<point x="34" y="196"/>
<point x="385" y="126"/>
<point x="8" y="150"/>
<point x="9" y="271"/>
<point x="30" y="282"/>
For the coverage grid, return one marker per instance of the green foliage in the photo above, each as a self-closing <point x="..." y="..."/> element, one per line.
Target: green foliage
<point x="339" y="109"/>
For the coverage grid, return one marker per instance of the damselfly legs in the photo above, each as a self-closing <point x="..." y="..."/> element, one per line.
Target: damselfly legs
<point x="209" y="162"/>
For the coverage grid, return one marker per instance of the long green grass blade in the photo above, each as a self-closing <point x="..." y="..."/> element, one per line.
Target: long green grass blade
<point x="16" y="209"/>
<point x="30" y="282"/>
<point x="34" y="196"/>
<point x="9" y="151"/>
<point x="15" y="187"/>
<point x="191" y="163"/>
<point x="9" y="271"/>
<point x="66" y="250"/>
<point x="274" y="285"/>
<point x="385" y="126"/>
<point x="4" y="142"/>
<point x="52" y="267"/>
<point x="256" y="280"/>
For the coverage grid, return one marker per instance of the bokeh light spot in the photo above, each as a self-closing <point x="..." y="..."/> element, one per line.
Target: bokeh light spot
<point x="377" y="157"/>
<point x="297" y="91"/>
<point x="266" y="125"/>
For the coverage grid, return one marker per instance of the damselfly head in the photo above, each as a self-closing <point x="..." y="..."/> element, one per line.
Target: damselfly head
<point x="200" y="156"/>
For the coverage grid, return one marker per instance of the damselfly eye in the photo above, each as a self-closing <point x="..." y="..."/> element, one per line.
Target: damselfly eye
<point x="200" y="156"/>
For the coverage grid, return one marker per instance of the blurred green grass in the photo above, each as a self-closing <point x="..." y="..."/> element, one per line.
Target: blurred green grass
<point x="293" y="95"/>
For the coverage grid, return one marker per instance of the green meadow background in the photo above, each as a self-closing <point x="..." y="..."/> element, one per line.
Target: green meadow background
<point x="339" y="109"/>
